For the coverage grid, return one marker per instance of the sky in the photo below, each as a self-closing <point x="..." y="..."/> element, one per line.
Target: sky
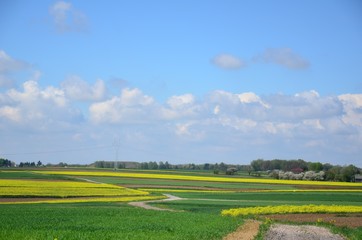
<point x="181" y="81"/>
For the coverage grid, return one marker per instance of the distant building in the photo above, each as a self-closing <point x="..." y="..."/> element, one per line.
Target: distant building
<point x="358" y="178"/>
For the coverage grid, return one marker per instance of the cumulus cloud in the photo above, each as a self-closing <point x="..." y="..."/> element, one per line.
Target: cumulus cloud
<point x="68" y="19"/>
<point x="285" y="57"/>
<point x="239" y="123"/>
<point x="177" y="102"/>
<point x="228" y="61"/>
<point x="352" y="108"/>
<point x="179" y="107"/>
<point x="9" y="65"/>
<point x="36" y="107"/>
<point x="78" y="89"/>
<point x="131" y="106"/>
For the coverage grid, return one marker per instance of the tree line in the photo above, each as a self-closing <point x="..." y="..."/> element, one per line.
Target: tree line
<point x="292" y="169"/>
<point x="6" y="163"/>
<point x="277" y="168"/>
<point x="30" y="164"/>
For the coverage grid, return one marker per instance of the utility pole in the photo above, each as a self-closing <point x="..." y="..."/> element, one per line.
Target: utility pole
<point x="116" y="145"/>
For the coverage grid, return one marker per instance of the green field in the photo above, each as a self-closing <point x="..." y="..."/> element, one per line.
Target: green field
<point x="197" y="216"/>
<point x="108" y="221"/>
<point x="176" y="183"/>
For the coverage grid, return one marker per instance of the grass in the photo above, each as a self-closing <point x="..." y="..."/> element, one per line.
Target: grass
<point x="278" y="197"/>
<point x="170" y="182"/>
<point x="108" y="221"/>
<point x="6" y="174"/>
<point x="167" y="176"/>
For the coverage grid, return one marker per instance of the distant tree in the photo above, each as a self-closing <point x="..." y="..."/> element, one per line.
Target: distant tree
<point x="5" y="162"/>
<point x="153" y="165"/>
<point x="348" y="173"/>
<point x="206" y="166"/>
<point x="257" y="164"/>
<point x="39" y="164"/>
<point x="315" y="166"/>
<point x="223" y="167"/>
<point x="161" y="165"/>
<point x="231" y="171"/>
<point x="334" y="174"/>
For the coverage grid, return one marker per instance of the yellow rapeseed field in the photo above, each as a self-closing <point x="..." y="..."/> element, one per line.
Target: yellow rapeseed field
<point x="199" y="178"/>
<point x="33" y="188"/>
<point x="282" y="209"/>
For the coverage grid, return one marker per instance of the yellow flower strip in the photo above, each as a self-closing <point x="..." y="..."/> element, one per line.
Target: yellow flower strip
<point x="199" y="178"/>
<point x="183" y="190"/>
<point x="282" y="209"/>
<point x="11" y="188"/>
<point x="84" y="200"/>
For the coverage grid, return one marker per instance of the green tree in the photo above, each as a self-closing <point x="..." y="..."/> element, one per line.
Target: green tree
<point x="315" y="166"/>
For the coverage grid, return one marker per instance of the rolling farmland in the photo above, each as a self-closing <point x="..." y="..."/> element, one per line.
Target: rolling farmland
<point x="208" y="206"/>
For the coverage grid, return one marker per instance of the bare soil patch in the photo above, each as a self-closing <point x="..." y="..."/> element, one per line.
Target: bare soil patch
<point x="342" y="220"/>
<point x="247" y="231"/>
<point x="282" y="231"/>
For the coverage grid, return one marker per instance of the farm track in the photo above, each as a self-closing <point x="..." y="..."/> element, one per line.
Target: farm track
<point x="247" y="231"/>
<point x="144" y="204"/>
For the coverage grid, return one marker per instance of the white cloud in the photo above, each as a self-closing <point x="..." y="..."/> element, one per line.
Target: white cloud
<point x="217" y="109"/>
<point x="9" y="65"/>
<point x="68" y="19"/>
<point x="180" y="106"/>
<point x="131" y="106"/>
<point x="251" y="97"/>
<point x="135" y="97"/>
<point x="10" y="113"/>
<point x="78" y="89"/>
<point x="228" y="61"/>
<point x="353" y="108"/>
<point x="244" y="123"/>
<point x="284" y="57"/>
<point x="177" y="102"/>
<point x="36" y="107"/>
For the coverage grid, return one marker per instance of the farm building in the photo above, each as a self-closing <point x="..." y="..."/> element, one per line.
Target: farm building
<point x="358" y="178"/>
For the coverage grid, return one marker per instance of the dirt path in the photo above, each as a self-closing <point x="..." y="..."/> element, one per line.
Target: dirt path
<point x="144" y="204"/>
<point x="283" y="231"/>
<point x="247" y="231"/>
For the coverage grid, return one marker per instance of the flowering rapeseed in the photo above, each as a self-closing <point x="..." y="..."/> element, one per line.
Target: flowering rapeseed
<point x="281" y="209"/>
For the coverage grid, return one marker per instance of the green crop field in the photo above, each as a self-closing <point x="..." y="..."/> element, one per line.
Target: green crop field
<point x="81" y="204"/>
<point x="108" y="221"/>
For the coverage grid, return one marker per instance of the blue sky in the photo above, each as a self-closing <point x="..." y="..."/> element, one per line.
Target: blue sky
<point x="181" y="81"/>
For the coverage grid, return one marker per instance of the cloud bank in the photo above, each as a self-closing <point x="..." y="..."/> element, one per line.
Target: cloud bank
<point x="220" y="126"/>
